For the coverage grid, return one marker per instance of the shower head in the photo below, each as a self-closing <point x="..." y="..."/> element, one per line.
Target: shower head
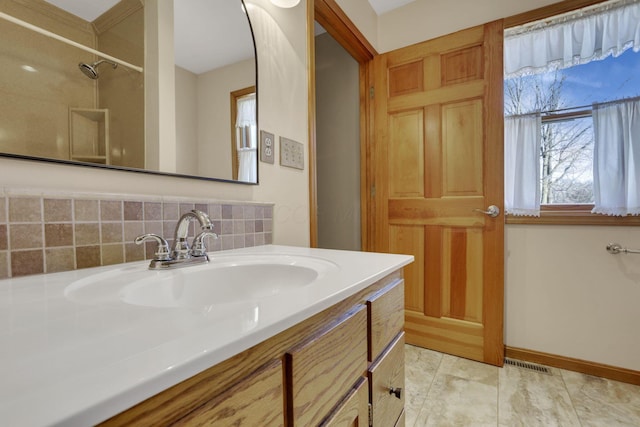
<point x="91" y="70"/>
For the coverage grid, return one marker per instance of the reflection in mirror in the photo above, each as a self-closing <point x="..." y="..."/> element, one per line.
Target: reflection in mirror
<point x="244" y="141"/>
<point x="59" y="100"/>
<point x="73" y="86"/>
<point x="209" y="77"/>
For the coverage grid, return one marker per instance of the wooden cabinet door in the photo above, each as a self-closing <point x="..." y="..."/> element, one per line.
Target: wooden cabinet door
<point x="321" y="371"/>
<point x="354" y="410"/>
<point x="257" y="400"/>
<point x="438" y="163"/>
<point x="386" y="317"/>
<point x="386" y="385"/>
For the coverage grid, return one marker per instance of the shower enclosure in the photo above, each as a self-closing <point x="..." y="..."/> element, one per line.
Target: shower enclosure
<point x="50" y="108"/>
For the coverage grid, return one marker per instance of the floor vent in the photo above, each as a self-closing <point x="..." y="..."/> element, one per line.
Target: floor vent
<point x="528" y="366"/>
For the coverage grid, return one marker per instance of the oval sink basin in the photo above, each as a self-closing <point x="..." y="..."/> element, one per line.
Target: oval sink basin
<point x="225" y="280"/>
<point x="221" y="285"/>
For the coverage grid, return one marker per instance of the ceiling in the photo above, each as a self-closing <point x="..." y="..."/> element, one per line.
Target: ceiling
<point x="384" y="6"/>
<point x="87" y="10"/>
<point x="210" y="34"/>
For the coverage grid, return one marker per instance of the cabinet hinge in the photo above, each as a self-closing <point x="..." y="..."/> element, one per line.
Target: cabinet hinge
<point x="370" y="415"/>
<point x="373" y="191"/>
<point x="371" y="92"/>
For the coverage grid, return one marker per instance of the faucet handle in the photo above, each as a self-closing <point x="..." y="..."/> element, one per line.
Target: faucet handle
<point x="198" y="247"/>
<point x="162" y="251"/>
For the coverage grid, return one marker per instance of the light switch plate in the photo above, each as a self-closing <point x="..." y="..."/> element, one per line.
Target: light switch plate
<point x="267" y="147"/>
<point x="291" y="153"/>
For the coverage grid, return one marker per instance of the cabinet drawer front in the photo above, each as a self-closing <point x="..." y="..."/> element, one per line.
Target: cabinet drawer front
<point x="354" y="410"/>
<point x="320" y="372"/>
<point x="386" y="317"/>
<point x="387" y="373"/>
<point x="257" y="400"/>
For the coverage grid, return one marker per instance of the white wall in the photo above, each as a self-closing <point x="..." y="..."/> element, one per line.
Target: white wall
<point x="186" y="121"/>
<point x="363" y="16"/>
<point x="203" y="118"/>
<point x="159" y="86"/>
<point x="214" y="116"/>
<point x="564" y="294"/>
<point x="337" y="145"/>
<point x="426" y="19"/>
<point x="281" y="39"/>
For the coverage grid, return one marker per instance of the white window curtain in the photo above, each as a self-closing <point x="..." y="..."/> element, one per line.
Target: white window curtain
<point x="246" y="139"/>
<point x="573" y="39"/>
<point x="616" y="160"/>
<point x="522" y="165"/>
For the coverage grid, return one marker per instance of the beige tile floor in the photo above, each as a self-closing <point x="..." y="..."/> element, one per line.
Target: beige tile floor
<point x="444" y="390"/>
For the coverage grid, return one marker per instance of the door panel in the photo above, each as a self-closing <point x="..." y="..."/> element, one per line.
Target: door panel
<point x="463" y="268"/>
<point x="462" y="65"/>
<point x="410" y="239"/>
<point x="462" y="148"/>
<point x="406" y="78"/>
<point x="437" y="161"/>
<point x="406" y="158"/>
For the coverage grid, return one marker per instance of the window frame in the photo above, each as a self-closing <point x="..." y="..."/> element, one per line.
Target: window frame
<point x="551" y="117"/>
<point x="571" y="215"/>
<point x="234" y="97"/>
<point x="563" y="214"/>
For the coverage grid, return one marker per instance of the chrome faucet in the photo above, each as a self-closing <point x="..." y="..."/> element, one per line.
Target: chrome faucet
<point x="181" y="255"/>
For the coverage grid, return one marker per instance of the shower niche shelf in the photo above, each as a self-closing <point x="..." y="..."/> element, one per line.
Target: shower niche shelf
<point x="89" y="135"/>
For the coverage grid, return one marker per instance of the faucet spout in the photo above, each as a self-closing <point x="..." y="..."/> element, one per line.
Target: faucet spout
<point x="182" y="228"/>
<point x="180" y="244"/>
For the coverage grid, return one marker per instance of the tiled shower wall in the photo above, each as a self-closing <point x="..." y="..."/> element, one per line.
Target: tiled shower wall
<point x="48" y="233"/>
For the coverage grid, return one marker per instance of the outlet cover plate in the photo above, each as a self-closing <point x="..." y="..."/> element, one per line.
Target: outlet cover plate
<point x="267" y="147"/>
<point x="291" y="153"/>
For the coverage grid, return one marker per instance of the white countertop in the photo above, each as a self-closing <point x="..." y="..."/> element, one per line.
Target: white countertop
<point x="71" y="363"/>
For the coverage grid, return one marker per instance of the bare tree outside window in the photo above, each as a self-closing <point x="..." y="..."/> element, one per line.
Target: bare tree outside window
<point x="566" y="146"/>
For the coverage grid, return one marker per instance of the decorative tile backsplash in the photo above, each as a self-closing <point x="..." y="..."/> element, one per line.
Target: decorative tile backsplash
<point x="47" y="233"/>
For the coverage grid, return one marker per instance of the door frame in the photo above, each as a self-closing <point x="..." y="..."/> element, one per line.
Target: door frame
<point x="343" y="30"/>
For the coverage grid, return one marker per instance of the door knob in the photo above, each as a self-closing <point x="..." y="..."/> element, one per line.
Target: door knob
<point x="493" y="211"/>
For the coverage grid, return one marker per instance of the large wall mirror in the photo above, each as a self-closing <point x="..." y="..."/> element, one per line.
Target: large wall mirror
<point x="156" y="85"/>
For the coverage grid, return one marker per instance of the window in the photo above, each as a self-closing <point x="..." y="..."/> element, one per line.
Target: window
<point x="551" y="90"/>
<point x="566" y="160"/>
<point x="244" y="139"/>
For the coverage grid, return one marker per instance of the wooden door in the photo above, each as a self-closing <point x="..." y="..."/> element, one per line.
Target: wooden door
<point x="438" y="113"/>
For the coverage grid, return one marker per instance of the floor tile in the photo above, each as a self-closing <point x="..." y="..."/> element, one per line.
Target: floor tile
<point x="444" y="390"/>
<point x="464" y="393"/>
<point x="529" y="398"/>
<point x="469" y="369"/>
<point x="420" y="369"/>
<point x="603" y="402"/>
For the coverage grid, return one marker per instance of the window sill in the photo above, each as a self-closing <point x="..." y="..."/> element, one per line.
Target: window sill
<point x="572" y="215"/>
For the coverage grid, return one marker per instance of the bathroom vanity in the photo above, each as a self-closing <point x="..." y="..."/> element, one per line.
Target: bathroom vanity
<point x="316" y="340"/>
